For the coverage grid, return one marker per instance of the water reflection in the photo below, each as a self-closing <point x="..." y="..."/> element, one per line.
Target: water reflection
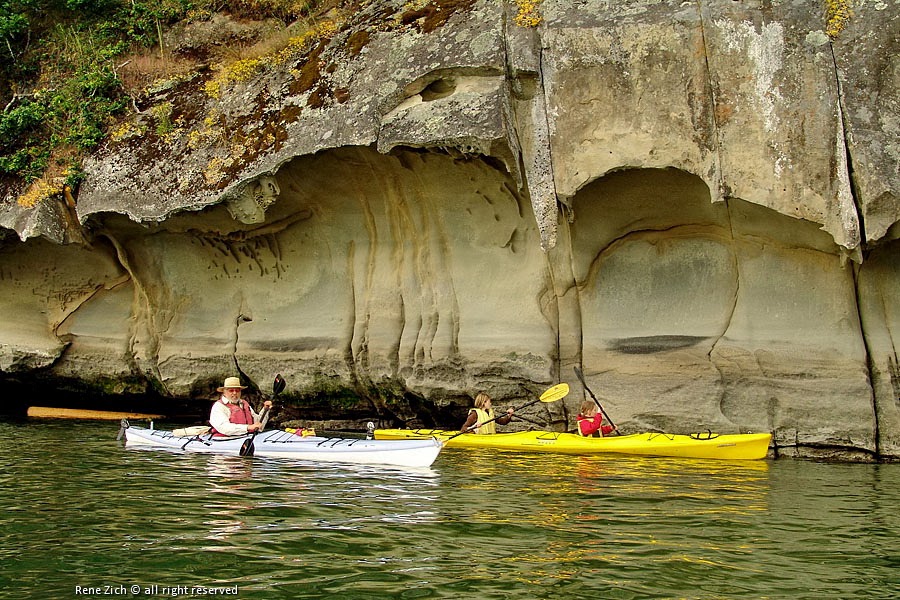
<point x="478" y="524"/>
<point x="230" y="468"/>
<point x="584" y="515"/>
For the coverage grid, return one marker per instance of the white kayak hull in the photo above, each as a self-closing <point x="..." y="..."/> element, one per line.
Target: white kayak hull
<point x="283" y="444"/>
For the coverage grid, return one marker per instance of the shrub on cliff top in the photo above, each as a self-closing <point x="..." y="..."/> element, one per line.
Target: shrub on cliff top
<point x="59" y="79"/>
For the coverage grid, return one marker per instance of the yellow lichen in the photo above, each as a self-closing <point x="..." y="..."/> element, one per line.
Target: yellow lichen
<point x="194" y="139"/>
<point x="297" y="45"/>
<point x="172" y="135"/>
<point x="126" y="131"/>
<point x="246" y="69"/>
<point x="215" y="171"/>
<point x="529" y="14"/>
<point x="209" y="133"/>
<point x="198" y="14"/>
<point x="212" y="118"/>
<point x="212" y="89"/>
<point x="38" y="191"/>
<point x="837" y="15"/>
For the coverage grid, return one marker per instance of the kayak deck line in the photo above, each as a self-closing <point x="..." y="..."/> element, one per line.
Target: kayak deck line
<point x="283" y="444"/>
<point x="748" y="446"/>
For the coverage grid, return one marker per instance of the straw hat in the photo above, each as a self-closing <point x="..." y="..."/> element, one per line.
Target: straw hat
<point x="231" y="382"/>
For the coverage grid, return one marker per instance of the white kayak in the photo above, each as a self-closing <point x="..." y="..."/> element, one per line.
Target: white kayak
<point x="285" y="444"/>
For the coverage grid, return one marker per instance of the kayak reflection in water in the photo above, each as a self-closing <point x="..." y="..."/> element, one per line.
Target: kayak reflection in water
<point x="231" y="414"/>
<point x="481" y="419"/>
<point x="590" y="421"/>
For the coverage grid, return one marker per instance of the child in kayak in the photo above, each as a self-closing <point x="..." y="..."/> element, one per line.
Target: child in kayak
<point x="590" y="421"/>
<point x="482" y="413"/>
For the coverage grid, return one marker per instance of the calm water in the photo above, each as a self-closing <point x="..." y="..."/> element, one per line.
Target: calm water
<point x="79" y="511"/>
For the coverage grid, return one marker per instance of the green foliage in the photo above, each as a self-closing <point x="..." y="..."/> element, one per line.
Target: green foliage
<point x="21" y="132"/>
<point x="59" y="88"/>
<point x="12" y="24"/>
<point x="21" y="120"/>
<point x="94" y="7"/>
<point x="163" y="114"/>
<point x="81" y="93"/>
<point x="58" y="80"/>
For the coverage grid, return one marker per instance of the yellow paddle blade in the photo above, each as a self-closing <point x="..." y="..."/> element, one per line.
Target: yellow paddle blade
<point x="557" y="392"/>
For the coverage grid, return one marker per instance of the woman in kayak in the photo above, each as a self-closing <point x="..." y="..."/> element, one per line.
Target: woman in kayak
<point x="231" y="414"/>
<point x="481" y="418"/>
<point x="590" y="421"/>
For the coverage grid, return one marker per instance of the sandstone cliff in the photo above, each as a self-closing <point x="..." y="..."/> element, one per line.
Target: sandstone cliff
<point x="697" y="202"/>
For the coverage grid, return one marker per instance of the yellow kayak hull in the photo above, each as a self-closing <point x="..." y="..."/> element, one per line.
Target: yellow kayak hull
<point x="745" y="446"/>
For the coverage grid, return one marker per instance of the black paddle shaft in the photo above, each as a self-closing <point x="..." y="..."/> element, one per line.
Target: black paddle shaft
<point x="580" y="376"/>
<point x="247" y="448"/>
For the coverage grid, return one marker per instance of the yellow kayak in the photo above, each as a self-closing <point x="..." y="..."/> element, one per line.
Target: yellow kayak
<point x="745" y="446"/>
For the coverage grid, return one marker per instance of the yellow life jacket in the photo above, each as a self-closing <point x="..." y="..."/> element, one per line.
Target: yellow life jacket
<point x="484" y="415"/>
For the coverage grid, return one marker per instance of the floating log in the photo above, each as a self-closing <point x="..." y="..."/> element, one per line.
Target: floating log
<point x="49" y="412"/>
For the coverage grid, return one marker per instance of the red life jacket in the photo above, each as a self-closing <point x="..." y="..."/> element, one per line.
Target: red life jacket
<point x="240" y="414"/>
<point x="595" y="421"/>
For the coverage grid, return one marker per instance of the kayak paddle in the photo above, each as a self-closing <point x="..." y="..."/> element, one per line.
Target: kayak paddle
<point x="247" y="448"/>
<point x="277" y="387"/>
<point x="557" y="392"/>
<point x="580" y="376"/>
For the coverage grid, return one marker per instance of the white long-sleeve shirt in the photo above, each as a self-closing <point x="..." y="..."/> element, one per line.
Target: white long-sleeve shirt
<point x="220" y="419"/>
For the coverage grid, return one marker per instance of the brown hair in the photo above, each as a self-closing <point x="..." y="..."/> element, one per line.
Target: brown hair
<point x="586" y="407"/>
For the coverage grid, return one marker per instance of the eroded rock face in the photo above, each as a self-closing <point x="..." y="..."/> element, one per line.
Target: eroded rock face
<point x="695" y="204"/>
<point x="746" y="316"/>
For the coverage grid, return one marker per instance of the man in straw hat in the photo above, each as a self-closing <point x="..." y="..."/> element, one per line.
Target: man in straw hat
<point x="231" y="414"/>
